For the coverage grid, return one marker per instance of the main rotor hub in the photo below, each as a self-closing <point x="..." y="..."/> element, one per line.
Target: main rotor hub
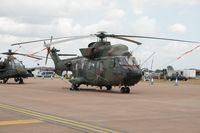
<point x="101" y="35"/>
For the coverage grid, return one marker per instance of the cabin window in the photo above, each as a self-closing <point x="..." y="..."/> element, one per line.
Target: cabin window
<point x="76" y="66"/>
<point x="91" y="65"/>
<point x="116" y="62"/>
<point x="82" y="65"/>
<point x="112" y="63"/>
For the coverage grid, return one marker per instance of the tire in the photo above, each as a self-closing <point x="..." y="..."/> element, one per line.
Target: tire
<point x="109" y="87"/>
<point x="123" y="90"/>
<point x="127" y="90"/>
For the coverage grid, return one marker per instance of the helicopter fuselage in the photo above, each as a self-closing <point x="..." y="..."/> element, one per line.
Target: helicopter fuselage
<point x="101" y="65"/>
<point x="12" y="68"/>
<point x="104" y="71"/>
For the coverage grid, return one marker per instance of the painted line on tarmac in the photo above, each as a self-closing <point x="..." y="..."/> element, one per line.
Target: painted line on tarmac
<point x="18" y="122"/>
<point x="68" y="122"/>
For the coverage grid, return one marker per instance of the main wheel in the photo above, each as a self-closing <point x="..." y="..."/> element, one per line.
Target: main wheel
<point x="21" y="81"/>
<point x="74" y="87"/>
<point x="109" y="87"/>
<point x="127" y="90"/>
<point x="16" y="79"/>
<point x="123" y="90"/>
<point x="5" y="80"/>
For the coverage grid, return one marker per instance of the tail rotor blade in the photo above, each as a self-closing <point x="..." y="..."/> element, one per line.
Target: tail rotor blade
<point x="51" y="39"/>
<point x="48" y="51"/>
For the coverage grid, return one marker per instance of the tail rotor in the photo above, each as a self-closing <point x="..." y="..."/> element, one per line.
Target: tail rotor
<point x="48" y="47"/>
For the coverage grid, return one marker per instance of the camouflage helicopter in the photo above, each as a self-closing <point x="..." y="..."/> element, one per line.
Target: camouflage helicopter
<point x="13" y="68"/>
<point x="101" y="64"/>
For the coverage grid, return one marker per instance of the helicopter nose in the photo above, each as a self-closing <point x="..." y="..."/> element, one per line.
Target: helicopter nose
<point x="136" y="74"/>
<point x="133" y="76"/>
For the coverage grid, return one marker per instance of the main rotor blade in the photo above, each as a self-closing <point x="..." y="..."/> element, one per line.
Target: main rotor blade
<point x="70" y="39"/>
<point x="126" y="39"/>
<point x="40" y="40"/>
<point x="159" y="38"/>
<point x="28" y="56"/>
<point x="39" y="56"/>
<point x="8" y="53"/>
<point x="67" y="54"/>
<point x="50" y="39"/>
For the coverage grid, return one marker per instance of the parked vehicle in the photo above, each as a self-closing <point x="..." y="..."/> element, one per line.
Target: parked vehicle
<point x="46" y="74"/>
<point x="178" y="77"/>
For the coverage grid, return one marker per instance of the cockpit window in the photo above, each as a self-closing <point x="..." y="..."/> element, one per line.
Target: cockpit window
<point x="122" y="61"/>
<point x="134" y="61"/>
<point x="17" y="63"/>
<point x="127" y="61"/>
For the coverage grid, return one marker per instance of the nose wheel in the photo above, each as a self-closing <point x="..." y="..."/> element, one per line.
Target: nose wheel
<point x="5" y="80"/>
<point x="75" y="87"/>
<point x="125" y="89"/>
<point x="20" y="80"/>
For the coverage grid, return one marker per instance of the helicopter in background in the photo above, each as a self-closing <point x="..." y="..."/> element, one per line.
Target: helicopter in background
<point x="101" y="64"/>
<point x="13" y="68"/>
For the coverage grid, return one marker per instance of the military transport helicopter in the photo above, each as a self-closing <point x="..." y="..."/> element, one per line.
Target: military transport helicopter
<point x="13" y="68"/>
<point x="101" y="64"/>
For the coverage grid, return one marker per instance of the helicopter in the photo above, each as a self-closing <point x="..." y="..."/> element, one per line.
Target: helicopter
<point x="13" y="68"/>
<point x="101" y="64"/>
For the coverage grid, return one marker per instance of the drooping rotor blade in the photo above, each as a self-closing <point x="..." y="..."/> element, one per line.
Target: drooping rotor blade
<point x="50" y="39"/>
<point x="40" y="40"/>
<point x="67" y="54"/>
<point x="126" y="39"/>
<point x="159" y="38"/>
<point x="9" y="52"/>
<point x="187" y="52"/>
<point x="28" y="56"/>
<point x="14" y="53"/>
<point x="34" y="53"/>
<point x="69" y="39"/>
<point x="39" y="56"/>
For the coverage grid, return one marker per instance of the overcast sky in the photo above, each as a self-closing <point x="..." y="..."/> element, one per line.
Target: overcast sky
<point x="23" y="20"/>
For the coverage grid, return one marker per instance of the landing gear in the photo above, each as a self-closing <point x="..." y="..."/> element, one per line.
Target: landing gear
<point x="125" y="89"/>
<point x="109" y="87"/>
<point x="20" y="80"/>
<point x="5" y="80"/>
<point x="16" y="79"/>
<point x="75" y="87"/>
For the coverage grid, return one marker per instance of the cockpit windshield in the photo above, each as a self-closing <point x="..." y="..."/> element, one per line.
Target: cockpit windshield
<point x="128" y="60"/>
<point x="18" y="63"/>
